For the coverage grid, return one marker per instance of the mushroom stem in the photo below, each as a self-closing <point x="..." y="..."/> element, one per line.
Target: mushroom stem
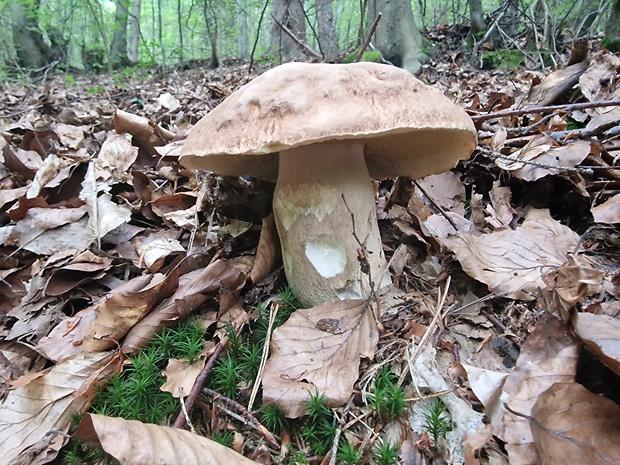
<point x="319" y="250"/>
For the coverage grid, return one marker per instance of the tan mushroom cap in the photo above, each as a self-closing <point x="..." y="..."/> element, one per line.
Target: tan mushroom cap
<point x="409" y="128"/>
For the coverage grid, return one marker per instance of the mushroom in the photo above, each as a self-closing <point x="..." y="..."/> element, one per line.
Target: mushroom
<point x="324" y="131"/>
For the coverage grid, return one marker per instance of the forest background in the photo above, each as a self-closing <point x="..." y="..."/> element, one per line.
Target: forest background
<point x="103" y="35"/>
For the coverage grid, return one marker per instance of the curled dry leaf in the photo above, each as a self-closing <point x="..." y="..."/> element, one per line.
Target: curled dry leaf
<point x="181" y="376"/>
<point x="267" y="252"/>
<point x="608" y="212"/>
<point x="145" y="132"/>
<point x="205" y="284"/>
<point x="600" y="333"/>
<point x="512" y="262"/>
<point x="572" y="425"/>
<point x="548" y="356"/>
<point x="102" y="325"/>
<point x="153" y="253"/>
<point x="135" y="443"/>
<point x="44" y="403"/>
<point x="319" y="349"/>
<point x="570" y="283"/>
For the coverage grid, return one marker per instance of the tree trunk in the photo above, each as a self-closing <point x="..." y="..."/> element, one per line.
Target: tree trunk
<point x="476" y="17"/>
<point x="612" y="30"/>
<point x="212" y="31"/>
<point x="134" y="32"/>
<point x="118" y="53"/>
<point x="290" y="14"/>
<point x="397" y="37"/>
<point x="327" y="32"/>
<point x="243" y="39"/>
<point x="180" y="27"/>
<point x="32" y="50"/>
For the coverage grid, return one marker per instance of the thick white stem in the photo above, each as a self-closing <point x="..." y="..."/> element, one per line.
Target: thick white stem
<point x="315" y="225"/>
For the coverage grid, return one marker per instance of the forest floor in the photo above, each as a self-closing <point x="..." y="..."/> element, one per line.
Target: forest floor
<point x="507" y="270"/>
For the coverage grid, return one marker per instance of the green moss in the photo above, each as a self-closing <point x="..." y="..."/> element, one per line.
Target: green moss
<point x="505" y="59"/>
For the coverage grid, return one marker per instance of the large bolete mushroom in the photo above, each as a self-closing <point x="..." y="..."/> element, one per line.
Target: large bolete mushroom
<point x="323" y="131"/>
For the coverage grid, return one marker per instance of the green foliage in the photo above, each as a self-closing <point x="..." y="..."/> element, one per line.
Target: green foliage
<point x="387" y="399"/>
<point x="135" y="394"/>
<point x="572" y="124"/>
<point x="348" y="454"/>
<point x="226" y="376"/>
<point x="320" y="427"/>
<point x="372" y="55"/>
<point x="437" y="422"/>
<point x="273" y="418"/>
<point x="69" y="80"/>
<point x="611" y="44"/>
<point x="95" y="90"/>
<point x="505" y="59"/>
<point x="225" y="438"/>
<point x="384" y="454"/>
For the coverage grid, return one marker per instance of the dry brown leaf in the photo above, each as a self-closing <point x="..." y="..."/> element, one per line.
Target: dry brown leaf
<point x="135" y="443"/>
<point x="104" y="214"/>
<point x="41" y="230"/>
<point x="572" y="425"/>
<point x="181" y="376"/>
<point x="154" y="251"/>
<point x="45" y="403"/>
<point x="203" y="285"/>
<point x="144" y="131"/>
<point x="570" y="283"/>
<point x="116" y="157"/>
<point x="319" y="349"/>
<point x="548" y="356"/>
<point x="70" y="276"/>
<point x="607" y="212"/>
<point x="601" y="335"/>
<point x="267" y="252"/>
<point x="512" y="262"/>
<point x="446" y="189"/>
<point x="102" y="325"/>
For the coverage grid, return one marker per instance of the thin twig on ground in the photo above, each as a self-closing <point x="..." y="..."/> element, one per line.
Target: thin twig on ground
<point x="371" y="32"/>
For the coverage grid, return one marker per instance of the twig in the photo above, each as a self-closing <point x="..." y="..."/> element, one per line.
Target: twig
<point x="302" y="44"/>
<point x="200" y="380"/>
<point x="578" y="169"/>
<point x="544" y="109"/>
<point x="236" y="406"/>
<point x="371" y="32"/>
<point x="334" y="450"/>
<point x="366" y="269"/>
<point x="259" y="376"/>
<point x="435" y="204"/>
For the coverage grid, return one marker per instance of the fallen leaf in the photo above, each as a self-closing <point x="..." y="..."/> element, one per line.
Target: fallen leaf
<point x="599" y="334"/>
<point x="181" y="376"/>
<point x="607" y="212"/>
<point x="134" y="443"/>
<point x="319" y="349"/>
<point x="267" y="252"/>
<point x="46" y="403"/>
<point x="512" y="262"/>
<point x="572" y="425"/>
<point x="548" y="356"/>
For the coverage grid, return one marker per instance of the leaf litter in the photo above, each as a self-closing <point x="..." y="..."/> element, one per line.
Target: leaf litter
<point x="106" y="240"/>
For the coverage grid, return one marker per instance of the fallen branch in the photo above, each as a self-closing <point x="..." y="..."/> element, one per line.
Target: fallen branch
<point x="565" y="107"/>
<point x="299" y="42"/>
<point x="373" y="28"/>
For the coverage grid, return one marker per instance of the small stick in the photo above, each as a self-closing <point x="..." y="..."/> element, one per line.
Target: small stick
<point x="295" y="39"/>
<point x="236" y="406"/>
<point x="200" y="380"/>
<point x="370" y="34"/>
<point x="259" y="376"/>
<point x="565" y="107"/>
<point x="435" y="204"/>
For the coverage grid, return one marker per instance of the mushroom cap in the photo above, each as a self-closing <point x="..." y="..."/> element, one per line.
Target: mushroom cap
<point x="409" y="128"/>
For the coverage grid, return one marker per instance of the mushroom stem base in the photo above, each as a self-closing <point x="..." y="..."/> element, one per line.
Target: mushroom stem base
<point x="323" y="199"/>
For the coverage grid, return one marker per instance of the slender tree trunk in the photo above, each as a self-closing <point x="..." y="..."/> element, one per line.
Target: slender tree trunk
<point x="290" y="14"/>
<point x="612" y="30"/>
<point x="397" y="37"/>
<point x="134" y="32"/>
<point x="212" y="31"/>
<point x="327" y="32"/>
<point x="118" y="53"/>
<point x="180" y="26"/>
<point x="160" y="34"/>
<point x="476" y="17"/>
<point x="32" y="50"/>
<point x="243" y="39"/>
